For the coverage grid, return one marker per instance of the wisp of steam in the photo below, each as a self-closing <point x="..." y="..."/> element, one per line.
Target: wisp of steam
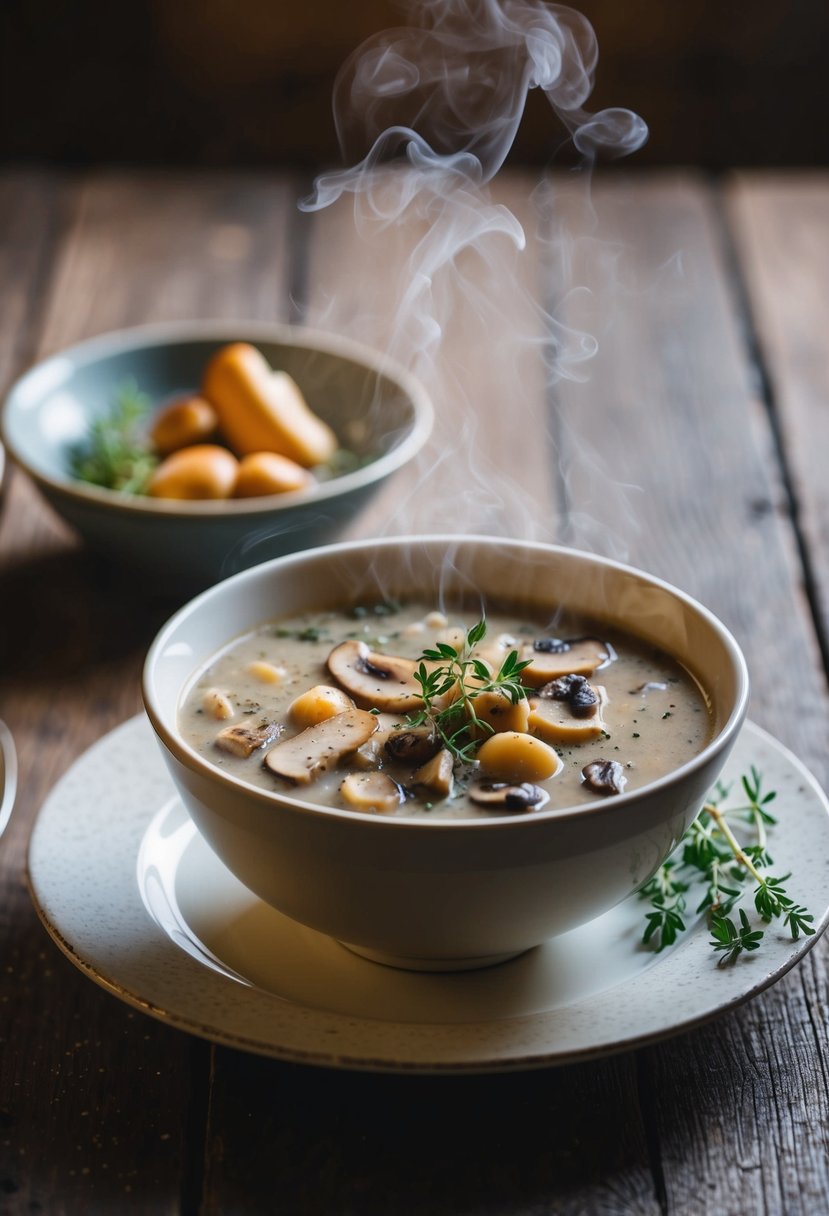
<point x="425" y="117"/>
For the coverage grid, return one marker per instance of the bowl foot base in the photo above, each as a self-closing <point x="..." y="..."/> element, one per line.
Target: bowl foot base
<point x="406" y="963"/>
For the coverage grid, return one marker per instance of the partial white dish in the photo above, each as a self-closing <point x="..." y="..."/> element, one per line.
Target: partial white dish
<point x="8" y="775"/>
<point x="136" y="899"/>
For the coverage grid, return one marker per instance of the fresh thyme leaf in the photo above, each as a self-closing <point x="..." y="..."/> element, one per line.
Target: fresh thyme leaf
<point x="458" y="671"/>
<point x="731" y="940"/>
<point x="799" y="921"/>
<point x="477" y="633"/>
<point x="710" y="854"/>
<point x="664" y="923"/>
<point x="116" y="452"/>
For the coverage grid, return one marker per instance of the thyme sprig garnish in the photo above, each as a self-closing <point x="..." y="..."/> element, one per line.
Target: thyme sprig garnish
<point x="116" y="452"/>
<point x="711" y="857"/>
<point x="459" y="674"/>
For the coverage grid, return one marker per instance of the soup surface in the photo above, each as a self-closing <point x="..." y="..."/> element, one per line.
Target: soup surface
<point x="598" y="712"/>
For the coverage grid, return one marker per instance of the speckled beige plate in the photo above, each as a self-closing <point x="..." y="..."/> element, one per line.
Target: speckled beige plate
<point x="130" y="892"/>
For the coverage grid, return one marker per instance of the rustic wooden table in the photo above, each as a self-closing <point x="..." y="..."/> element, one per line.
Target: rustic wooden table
<point x="710" y="395"/>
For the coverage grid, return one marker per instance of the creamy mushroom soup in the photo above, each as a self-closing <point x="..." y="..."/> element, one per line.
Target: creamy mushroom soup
<point x="388" y="709"/>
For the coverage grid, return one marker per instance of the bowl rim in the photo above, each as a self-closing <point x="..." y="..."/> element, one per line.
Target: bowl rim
<point x="169" y="333"/>
<point x="191" y="759"/>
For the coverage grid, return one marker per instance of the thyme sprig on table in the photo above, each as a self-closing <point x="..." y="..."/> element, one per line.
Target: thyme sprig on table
<point x="116" y="452"/>
<point x="463" y="676"/>
<point x="711" y="857"/>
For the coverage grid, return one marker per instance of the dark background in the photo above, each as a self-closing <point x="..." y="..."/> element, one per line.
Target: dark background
<point x="248" y="82"/>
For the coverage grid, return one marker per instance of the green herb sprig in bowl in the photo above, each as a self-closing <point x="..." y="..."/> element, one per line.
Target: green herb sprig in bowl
<point x="116" y="452"/>
<point x="467" y="678"/>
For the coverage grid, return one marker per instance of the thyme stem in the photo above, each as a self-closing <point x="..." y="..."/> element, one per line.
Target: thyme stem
<point x="734" y="844"/>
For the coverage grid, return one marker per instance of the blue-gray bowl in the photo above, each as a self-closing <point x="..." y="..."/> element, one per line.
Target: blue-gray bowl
<point x="375" y="407"/>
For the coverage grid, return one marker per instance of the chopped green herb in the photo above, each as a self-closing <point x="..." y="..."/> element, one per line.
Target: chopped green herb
<point x="384" y="608"/>
<point x="311" y="633"/>
<point x="116" y="452"/>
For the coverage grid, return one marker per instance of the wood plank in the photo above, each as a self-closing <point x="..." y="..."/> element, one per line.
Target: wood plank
<point x="780" y="226"/>
<point x="161" y="247"/>
<point x="472" y="329"/>
<point x="103" y="1109"/>
<point x="671" y="463"/>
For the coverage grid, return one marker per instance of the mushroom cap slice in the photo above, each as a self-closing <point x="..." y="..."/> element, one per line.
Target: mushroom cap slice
<point x="317" y="748"/>
<point x="436" y="776"/>
<point x="371" y="754"/>
<point x="371" y="792"/>
<point x="506" y="796"/>
<point x="243" y="739"/>
<point x="373" y="680"/>
<point x="581" y="697"/>
<point x="412" y="745"/>
<point x="554" y="721"/>
<point x="580" y="657"/>
<point x="604" y="777"/>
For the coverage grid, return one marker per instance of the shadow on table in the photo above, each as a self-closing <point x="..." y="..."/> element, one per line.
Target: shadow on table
<point x="351" y="1142"/>
<point x="73" y="610"/>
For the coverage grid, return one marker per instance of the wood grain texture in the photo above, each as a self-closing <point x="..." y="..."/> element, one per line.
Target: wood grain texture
<point x="779" y="225"/>
<point x="664" y="455"/>
<point x="109" y="1117"/>
<point x="445" y="292"/>
<point x="566" y="1141"/>
<point x="682" y="479"/>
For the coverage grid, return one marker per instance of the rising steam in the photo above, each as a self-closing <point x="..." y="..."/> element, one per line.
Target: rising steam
<point x="426" y="116"/>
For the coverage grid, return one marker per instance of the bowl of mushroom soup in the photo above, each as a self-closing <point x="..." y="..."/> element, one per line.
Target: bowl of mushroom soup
<point x="386" y="746"/>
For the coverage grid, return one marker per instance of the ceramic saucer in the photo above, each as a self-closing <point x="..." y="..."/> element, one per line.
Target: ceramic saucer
<point x="135" y="898"/>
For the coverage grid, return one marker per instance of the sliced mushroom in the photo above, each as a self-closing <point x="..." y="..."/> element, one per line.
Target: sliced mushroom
<point x="436" y="776"/>
<point x="308" y="754"/>
<point x="604" y="776"/>
<point x="371" y="792"/>
<point x="581" y="697"/>
<point x="243" y="740"/>
<point x="375" y="681"/>
<point x="502" y="796"/>
<point x="550" y="658"/>
<point x="554" y="721"/>
<point x="372" y="753"/>
<point x="413" y="746"/>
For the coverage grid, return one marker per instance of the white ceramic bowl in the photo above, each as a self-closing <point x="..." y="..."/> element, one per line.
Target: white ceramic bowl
<point x="444" y="894"/>
<point x="375" y="407"/>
